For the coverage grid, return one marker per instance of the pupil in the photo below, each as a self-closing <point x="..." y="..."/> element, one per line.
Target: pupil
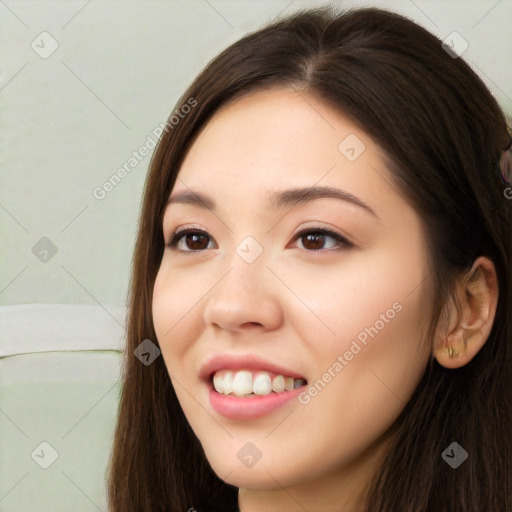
<point x="195" y="237"/>
<point x="317" y="238"/>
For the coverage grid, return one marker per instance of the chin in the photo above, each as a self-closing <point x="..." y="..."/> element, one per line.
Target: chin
<point x="248" y="478"/>
<point x="262" y="475"/>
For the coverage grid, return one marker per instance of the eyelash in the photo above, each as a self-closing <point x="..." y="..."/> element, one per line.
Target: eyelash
<point x="177" y="235"/>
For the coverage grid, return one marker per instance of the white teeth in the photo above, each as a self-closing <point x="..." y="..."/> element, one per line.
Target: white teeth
<point x="278" y="384"/>
<point x="228" y="384"/>
<point x="218" y="382"/>
<point x="244" y="383"/>
<point x="262" y="384"/>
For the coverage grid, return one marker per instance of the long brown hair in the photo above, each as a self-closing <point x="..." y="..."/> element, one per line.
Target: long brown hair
<point x="442" y="133"/>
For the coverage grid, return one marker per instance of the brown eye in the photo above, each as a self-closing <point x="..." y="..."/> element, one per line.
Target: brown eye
<point x="315" y="239"/>
<point x="190" y="240"/>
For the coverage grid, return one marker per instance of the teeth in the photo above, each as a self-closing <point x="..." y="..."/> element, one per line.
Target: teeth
<point x="218" y="382"/>
<point x="228" y="383"/>
<point x="262" y="384"/>
<point x="243" y="383"/>
<point x="278" y="384"/>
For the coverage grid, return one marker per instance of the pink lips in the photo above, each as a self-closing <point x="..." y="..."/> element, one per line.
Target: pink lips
<point x="252" y="407"/>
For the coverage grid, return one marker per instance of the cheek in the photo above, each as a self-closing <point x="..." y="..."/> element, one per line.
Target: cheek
<point x="363" y="375"/>
<point x="379" y="322"/>
<point x="361" y="292"/>
<point x="363" y="333"/>
<point x="174" y="307"/>
<point x="360" y="388"/>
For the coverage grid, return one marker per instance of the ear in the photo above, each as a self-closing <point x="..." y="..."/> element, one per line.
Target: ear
<point x="469" y="323"/>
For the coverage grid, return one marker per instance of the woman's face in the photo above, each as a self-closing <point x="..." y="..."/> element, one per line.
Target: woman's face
<point x="260" y="297"/>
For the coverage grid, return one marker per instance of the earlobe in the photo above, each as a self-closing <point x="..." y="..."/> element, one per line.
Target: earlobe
<point x="460" y="347"/>
<point x="469" y="325"/>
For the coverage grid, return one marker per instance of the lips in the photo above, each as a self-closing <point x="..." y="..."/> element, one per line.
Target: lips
<point x="248" y="387"/>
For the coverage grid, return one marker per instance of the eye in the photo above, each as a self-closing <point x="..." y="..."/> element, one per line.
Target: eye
<point x="195" y="237"/>
<point x="314" y="238"/>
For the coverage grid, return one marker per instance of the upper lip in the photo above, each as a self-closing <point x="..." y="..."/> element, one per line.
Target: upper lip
<point x="243" y="362"/>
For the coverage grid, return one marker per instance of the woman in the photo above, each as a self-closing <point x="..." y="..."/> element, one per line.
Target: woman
<point x="323" y="260"/>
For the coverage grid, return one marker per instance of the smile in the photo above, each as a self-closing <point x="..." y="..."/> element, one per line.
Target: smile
<point x="246" y="386"/>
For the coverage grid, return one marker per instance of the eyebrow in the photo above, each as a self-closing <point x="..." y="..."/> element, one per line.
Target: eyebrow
<point x="280" y="199"/>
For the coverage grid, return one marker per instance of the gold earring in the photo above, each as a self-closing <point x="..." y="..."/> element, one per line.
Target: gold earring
<point x="451" y="352"/>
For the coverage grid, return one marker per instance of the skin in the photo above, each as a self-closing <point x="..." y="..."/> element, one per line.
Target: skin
<point x="301" y="303"/>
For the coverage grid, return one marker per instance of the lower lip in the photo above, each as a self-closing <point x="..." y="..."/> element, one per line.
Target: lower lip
<point x="252" y="407"/>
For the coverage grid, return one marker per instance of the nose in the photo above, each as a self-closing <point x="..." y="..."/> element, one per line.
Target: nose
<point x="245" y="298"/>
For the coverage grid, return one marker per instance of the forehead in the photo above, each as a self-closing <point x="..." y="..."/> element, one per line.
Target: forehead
<point x="275" y="136"/>
<point x="277" y="121"/>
